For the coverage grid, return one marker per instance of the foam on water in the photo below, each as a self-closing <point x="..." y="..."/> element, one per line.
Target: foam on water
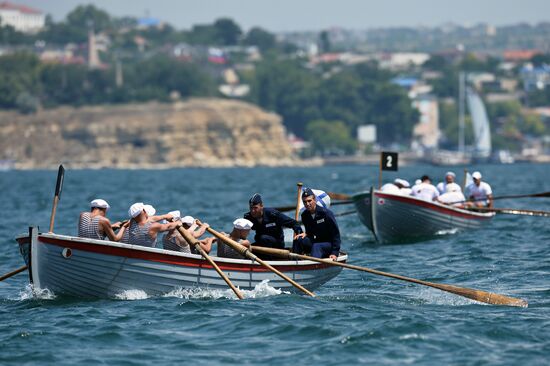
<point x="260" y="290"/>
<point x="447" y="232"/>
<point x="30" y="292"/>
<point x="132" y="295"/>
<point x="436" y="297"/>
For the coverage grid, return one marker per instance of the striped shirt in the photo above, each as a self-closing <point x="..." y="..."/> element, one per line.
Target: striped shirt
<point x="139" y="235"/>
<point x="88" y="226"/>
<point x="169" y="242"/>
<point x="226" y="251"/>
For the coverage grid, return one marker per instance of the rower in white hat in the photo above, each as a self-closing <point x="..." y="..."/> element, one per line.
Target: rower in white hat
<point x="480" y="193"/>
<point x="173" y="240"/>
<point x="449" y="178"/>
<point x="143" y="231"/>
<point x="241" y="229"/>
<point x="94" y="224"/>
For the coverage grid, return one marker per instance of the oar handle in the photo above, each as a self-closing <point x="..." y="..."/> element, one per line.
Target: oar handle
<point x="247" y="253"/>
<point x="193" y="241"/>
<point x="478" y="295"/>
<point x="298" y="199"/>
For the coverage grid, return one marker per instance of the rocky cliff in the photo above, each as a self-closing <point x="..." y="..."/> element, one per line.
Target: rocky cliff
<point x="199" y="132"/>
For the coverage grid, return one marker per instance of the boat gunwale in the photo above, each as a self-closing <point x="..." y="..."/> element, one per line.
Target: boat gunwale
<point x="179" y="258"/>
<point x="435" y="206"/>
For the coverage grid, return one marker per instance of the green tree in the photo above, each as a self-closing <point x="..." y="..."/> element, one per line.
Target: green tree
<point x="227" y="31"/>
<point x="19" y="75"/>
<point x="340" y="99"/>
<point x="288" y="89"/>
<point x="330" y="137"/>
<point x="261" y="38"/>
<point x="392" y="113"/>
<point x="324" y="42"/>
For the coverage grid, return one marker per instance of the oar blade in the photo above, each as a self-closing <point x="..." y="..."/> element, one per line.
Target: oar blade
<point x="339" y="196"/>
<point x="59" y="183"/>
<point x="482" y="296"/>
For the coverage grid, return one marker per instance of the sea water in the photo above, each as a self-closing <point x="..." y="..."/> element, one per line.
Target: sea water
<point x="355" y="318"/>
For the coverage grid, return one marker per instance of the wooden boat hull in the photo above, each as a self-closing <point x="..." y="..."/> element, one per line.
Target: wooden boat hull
<point x="398" y="219"/>
<point x="102" y="269"/>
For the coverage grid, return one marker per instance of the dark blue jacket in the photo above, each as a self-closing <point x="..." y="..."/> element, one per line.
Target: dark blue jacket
<point x="272" y="224"/>
<point x="323" y="228"/>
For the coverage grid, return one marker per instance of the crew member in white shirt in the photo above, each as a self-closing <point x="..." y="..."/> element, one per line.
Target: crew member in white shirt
<point x="453" y="196"/>
<point x="449" y="178"/>
<point x="425" y="190"/>
<point x="399" y="186"/>
<point x="480" y="193"/>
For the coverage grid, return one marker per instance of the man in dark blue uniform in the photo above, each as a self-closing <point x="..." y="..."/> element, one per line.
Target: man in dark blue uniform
<point x="269" y="224"/>
<point x="322" y="236"/>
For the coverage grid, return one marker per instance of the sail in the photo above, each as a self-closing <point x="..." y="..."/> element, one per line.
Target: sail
<point x="482" y="132"/>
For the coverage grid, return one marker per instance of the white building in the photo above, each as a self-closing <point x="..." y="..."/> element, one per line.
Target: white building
<point x="426" y="131"/>
<point x="22" y="18"/>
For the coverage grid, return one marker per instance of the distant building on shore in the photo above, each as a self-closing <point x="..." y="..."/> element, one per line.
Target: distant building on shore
<point x="21" y="17"/>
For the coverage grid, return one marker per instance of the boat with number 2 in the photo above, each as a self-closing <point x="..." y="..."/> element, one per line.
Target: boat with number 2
<point x="101" y="269"/>
<point x="398" y="219"/>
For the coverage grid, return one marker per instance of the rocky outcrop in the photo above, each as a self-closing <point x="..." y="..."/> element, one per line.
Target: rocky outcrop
<point x="199" y="132"/>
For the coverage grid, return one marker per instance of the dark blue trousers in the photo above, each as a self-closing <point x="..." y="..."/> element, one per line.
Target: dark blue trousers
<point x="318" y="250"/>
<point x="269" y="242"/>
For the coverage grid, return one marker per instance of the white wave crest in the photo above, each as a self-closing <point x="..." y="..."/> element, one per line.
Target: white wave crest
<point x="260" y="290"/>
<point x="447" y="231"/>
<point x="30" y="292"/>
<point x="132" y="295"/>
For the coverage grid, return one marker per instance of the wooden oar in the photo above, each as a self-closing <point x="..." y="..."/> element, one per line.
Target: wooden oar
<point x="247" y="253"/>
<point x="512" y="211"/>
<point x="542" y="194"/>
<point x="195" y="243"/>
<point x="57" y="196"/>
<point x="292" y="208"/>
<point x="339" y="196"/>
<point x="477" y="295"/>
<point x="13" y="273"/>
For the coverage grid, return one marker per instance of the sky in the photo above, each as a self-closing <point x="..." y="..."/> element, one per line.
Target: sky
<point x="300" y="15"/>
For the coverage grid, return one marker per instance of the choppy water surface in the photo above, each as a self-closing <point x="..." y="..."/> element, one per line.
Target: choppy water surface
<point x="356" y="318"/>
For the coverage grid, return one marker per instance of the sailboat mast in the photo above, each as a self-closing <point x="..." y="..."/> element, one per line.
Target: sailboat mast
<point x="461" y="100"/>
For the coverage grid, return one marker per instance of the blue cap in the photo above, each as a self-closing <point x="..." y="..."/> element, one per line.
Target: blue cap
<point x="307" y="192"/>
<point x="255" y="199"/>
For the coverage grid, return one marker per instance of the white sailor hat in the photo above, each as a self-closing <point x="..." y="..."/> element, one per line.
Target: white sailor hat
<point x="476" y="175"/>
<point x="150" y="210"/>
<point x="451" y="174"/>
<point x="99" y="203"/>
<point x="188" y="220"/>
<point x="403" y="182"/>
<point x="176" y="214"/>
<point x="136" y="209"/>
<point x="242" y="224"/>
<point x="452" y="187"/>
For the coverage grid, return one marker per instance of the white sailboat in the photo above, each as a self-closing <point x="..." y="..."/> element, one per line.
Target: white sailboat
<point x="480" y="122"/>
<point x="481" y="149"/>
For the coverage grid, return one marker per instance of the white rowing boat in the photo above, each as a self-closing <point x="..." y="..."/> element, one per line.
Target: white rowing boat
<point x="101" y="269"/>
<point x="396" y="219"/>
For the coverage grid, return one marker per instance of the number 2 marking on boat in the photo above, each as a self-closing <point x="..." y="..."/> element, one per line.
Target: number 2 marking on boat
<point x="388" y="161"/>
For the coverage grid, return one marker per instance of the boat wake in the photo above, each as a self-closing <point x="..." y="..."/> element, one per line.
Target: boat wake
<point x="31" y="293"/>
<point x="260" y="290"/>
<point x="132" y="295"/>
<point x="447" y="231"/>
